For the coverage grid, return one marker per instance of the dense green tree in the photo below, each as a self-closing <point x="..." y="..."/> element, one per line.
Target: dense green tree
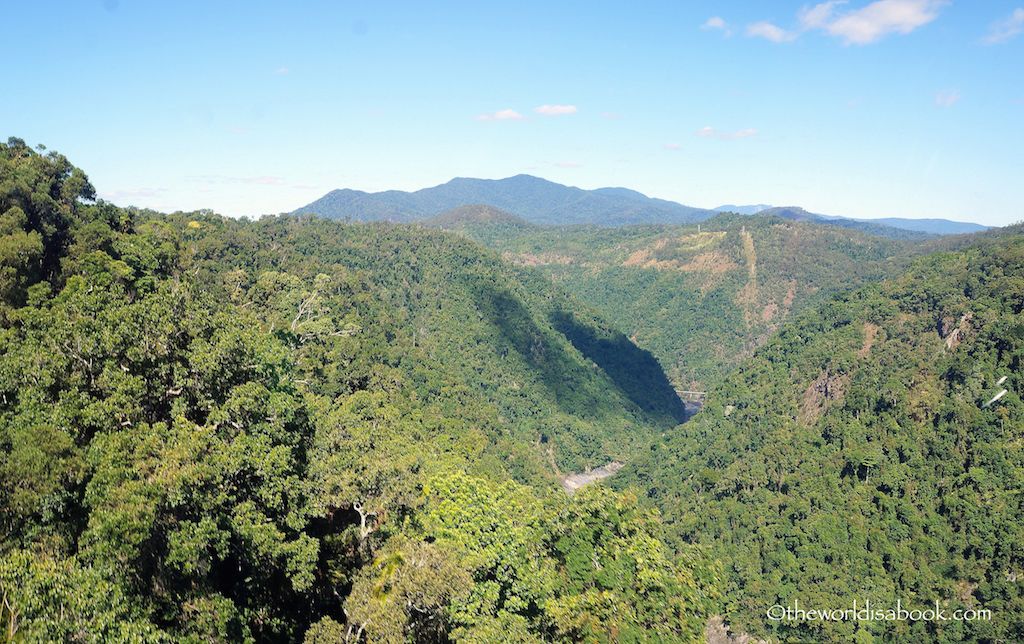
<point x="218" y="430"/>
<point x="39" y="202"/>
<point x="46" y="599"/>
<point x="854" y="457"/>
<point x="701" y="297"/>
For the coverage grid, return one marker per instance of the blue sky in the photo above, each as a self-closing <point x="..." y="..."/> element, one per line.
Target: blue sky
<point x="889" y="108"/>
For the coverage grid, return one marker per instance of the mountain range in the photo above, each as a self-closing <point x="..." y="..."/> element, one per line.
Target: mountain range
<point x="929" y="226"/>
<point x="752" y="209"/>
<point x="539" y="201"/>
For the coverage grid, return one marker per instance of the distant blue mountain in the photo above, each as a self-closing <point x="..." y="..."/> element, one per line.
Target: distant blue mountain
<point x="752" y="209"/>
<point x="887" y="227"/>
<point x="539" y="201"/>
<point x="934" y="226"/>
<point x="536" y="200"/>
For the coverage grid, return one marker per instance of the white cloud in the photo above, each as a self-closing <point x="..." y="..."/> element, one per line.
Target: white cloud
<point x="771" y="32"/>
<point x="716" y="23"/>
<point x="883" y="17"/>
<point x="819" y="15"/>
<point x="709" y="132"/>
<point x="1005" y="29"/>
<point x="672" y="146"/>
<point x="863" y="26"/>
<point x="569" y="164"/>
<point x="947" y="98"/>
<point x="501" y="115"/>
<point x="611" y="116"/>
<point x="555" y="110"/>
<point x="282" y="71"/>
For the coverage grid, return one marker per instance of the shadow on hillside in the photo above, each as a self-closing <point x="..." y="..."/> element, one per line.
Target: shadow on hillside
<point x="636" y="372"/>
<point x="577" y="387"/>
<point x="574" y="388"/>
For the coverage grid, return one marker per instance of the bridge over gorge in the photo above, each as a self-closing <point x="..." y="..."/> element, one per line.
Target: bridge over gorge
<point x="691" y="396"/>
<point x="692" y="400"/>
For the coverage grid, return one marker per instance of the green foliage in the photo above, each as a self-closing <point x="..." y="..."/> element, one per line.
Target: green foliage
<point x="44" y="599"/>
<point x="593" y="567"/>
<point x="694" y="296"/>
<point x="853" y="457"/>
<point x="217" y="430"/>
<point x="494" y="530"/>
<point x="406" y="593"/>
<point x="620" y="581"/>
<point x="38" y="204"/>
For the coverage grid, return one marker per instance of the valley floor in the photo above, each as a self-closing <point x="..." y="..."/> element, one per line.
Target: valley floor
<point x="573" y="482"/>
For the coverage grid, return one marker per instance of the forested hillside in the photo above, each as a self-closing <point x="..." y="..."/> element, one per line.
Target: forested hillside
<point x="219" y="430"/>
<point x="701" y="299"/>
<point x="871" y="450"/>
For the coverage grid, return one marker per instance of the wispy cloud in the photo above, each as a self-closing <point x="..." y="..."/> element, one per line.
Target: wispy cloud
<point x="672" y="146"/>
<point x="569" y="164"/>
<point x="716" y="23"/>
<point x="555" y="110"/>
<point x="1006" y="29"/>
<point x="259" y="180"/>
<point x="883" y="17"/>
<point x="709" y="132"/>
<point x="501" y="115"/>
<point x="282" y="71"/>
<point x="263" y="181"/>
<point x="771" y="32"/>
<point x="819" y="15"/>
<point x="862" y="26"/>
<point x="947" y="98"/>
<point x="611" y="116"/>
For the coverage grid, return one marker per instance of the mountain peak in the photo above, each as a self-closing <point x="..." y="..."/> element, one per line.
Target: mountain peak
<point x="751" y="209"/>
<point x="537" y="200"/>
<point x="540" y="201"/>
